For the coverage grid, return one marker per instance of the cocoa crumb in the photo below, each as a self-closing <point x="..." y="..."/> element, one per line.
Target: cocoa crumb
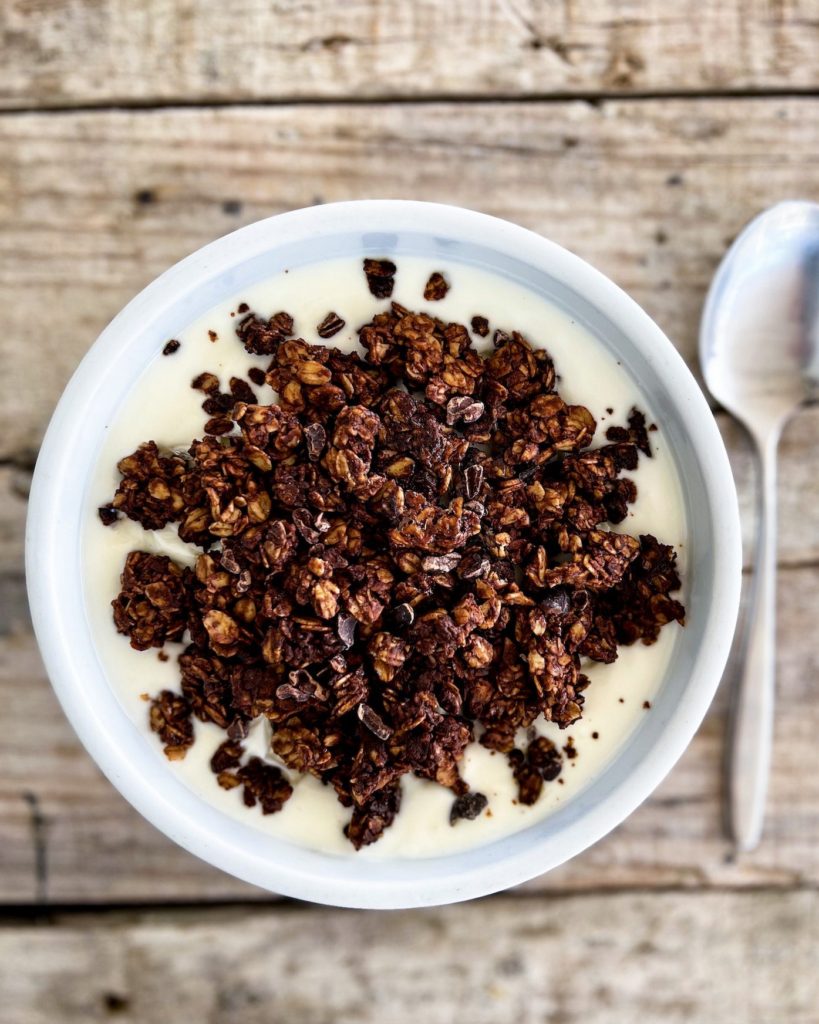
<point x="108" y="514"/>
<point x="468" y="807"/>
<point x="171" y="346"/>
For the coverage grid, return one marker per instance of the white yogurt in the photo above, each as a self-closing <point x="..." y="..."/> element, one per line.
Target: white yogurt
<point x="163" y="407"/>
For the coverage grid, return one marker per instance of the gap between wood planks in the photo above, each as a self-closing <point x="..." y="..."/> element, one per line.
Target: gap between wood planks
<point x="56" y="913"/>
<point x="593" y="98"/>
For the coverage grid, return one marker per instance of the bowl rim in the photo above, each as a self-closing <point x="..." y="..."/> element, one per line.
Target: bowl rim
<point x="58" y="646"/>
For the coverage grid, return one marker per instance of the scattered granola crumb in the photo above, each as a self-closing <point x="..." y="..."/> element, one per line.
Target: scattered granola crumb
<point x="468" y="806"/>
<point x="213" y="335"/>
<point x="330" y="325"/>
<point x="170" y="717"/>
<point x="171" y="346"/>
<point x="480" y="326"/>
<point x="162" y="656"/>
<point x="634" y="434"/>
<point x="207" y="382"/>
<point x="108" y="514"/>
<point x="436" y="287"/>
<point x="540" y="763"/>
<point x="380" y="276"/>
<point x="595" y="735"/>
<point x="569" y="749"/>
<point x="242" y="307"/>
<point x="647" y="705"/>
<point x="264" y="784"/>
<point x="264" y="338"/>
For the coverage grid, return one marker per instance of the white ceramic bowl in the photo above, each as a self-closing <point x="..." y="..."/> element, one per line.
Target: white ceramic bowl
<point x="218" y="272"/>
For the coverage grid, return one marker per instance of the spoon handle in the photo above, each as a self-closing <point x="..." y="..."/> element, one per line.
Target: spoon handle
<point x="751" y="730"/>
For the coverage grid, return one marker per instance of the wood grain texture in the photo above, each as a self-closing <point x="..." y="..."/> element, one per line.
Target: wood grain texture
<point x="64" y="52"/>
<point x="14" y="484"/>
<point x="66" y="836"/>
<point x="94" y="205"/>
<point x="674" y="958"/>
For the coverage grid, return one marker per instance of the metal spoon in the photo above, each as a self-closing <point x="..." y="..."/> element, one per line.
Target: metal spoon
<point x="759" y="350"/>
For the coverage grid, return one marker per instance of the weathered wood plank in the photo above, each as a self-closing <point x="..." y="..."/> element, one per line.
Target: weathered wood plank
<point x="14" y="484"/>
<point x="64" y="53"/>
<point x="97" y="850"/>
<point x="591" y="959"/>
<point x="92" y="206"/>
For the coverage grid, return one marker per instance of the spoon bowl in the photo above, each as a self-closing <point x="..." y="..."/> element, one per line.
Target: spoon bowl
<point x="759" y="341"/>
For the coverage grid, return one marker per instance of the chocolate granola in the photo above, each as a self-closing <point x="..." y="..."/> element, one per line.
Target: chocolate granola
<point x="410" y="551"/>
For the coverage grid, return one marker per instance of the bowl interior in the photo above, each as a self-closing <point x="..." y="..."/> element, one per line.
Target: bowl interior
<point x="219" y="272"/>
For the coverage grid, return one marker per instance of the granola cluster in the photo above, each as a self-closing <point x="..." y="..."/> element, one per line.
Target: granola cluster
<point x="408" y="552"/>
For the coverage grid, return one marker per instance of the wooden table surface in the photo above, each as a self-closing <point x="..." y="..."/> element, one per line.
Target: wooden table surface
<point x="641" y="134"/>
